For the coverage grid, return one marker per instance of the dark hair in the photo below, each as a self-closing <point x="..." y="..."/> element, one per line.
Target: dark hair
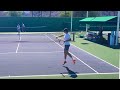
<point x="65" y="30"/>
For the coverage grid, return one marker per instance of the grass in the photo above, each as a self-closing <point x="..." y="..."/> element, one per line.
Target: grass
<point x="92" y="76"/>
<point x="106" y="53"/>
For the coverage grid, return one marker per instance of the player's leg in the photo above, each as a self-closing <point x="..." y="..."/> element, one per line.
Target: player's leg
<point x="70" y="54"/>
<point x="71" y="57"/>
<point x="65" y="55"/>
<point x="18" y="32"/>
<point x="22" y="29"/>
<point x="19" y="35"/>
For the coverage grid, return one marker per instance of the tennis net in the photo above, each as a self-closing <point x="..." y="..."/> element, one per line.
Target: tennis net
<point x="25" y="29"/>
<point x="31" y="37"/>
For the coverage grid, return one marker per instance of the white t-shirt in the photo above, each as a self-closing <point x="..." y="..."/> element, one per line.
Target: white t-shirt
<point x="67" y="37"/>
<point x="18" y="27"/>
<point x="23" y="25"/>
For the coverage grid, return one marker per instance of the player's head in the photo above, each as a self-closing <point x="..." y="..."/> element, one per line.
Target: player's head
<point x="65" y="30"/>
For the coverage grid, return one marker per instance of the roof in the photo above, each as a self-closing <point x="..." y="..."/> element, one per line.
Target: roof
<point x="88" y="19"/>
<point x="98" y="19"/>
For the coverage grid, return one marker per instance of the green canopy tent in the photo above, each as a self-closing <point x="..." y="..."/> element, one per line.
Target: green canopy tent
<point x="97" y="20"/>
<point x="107" y="23"/>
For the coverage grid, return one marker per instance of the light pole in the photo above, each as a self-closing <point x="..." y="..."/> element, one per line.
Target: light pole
<point x="117" y="31"/>
<point x="86" y="24"/>
<point x="71" y="19"/>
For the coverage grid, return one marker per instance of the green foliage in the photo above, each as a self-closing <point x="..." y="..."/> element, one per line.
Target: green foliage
<point x="106" y="53"/>
<point x="93" y="13"/>
<point x="83" y="13"/>
<point x="80" y="34"/>
<point x="65" y="13"/>
<point x="15" y="13"/>
<point x="79" y="13"/>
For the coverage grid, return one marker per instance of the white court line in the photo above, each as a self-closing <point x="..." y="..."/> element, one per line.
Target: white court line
<point x="17" y="47"/>
<point x="96" y="57"/>
<point x="42" y="52"/>
<point x="9" y="76"/>
<point x="31" y="52"/>
<point x="8" y="53"/>
<point x="74" y="56"/>
<point x="18" y="44"/>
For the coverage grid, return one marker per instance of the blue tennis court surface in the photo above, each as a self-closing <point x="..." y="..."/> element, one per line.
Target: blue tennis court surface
<point x="37" y="57"/>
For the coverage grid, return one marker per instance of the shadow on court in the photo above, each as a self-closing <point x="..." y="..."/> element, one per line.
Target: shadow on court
<point x="70" y="72"/>
<point x="84" y="43"/>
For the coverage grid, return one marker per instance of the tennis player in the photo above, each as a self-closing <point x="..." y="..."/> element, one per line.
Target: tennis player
<point x="67" y="40"/>
<point x="23" y="27"/>
<point x="18" y="29"/>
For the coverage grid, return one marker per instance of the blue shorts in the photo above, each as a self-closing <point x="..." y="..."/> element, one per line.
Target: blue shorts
<point x="18" y="30"/>
<point x="66" y="47"/>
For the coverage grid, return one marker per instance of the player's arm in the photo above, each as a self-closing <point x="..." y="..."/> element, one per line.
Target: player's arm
<point x="59" y="36"/>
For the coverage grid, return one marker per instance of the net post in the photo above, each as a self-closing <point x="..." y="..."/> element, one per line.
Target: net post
<point x="73" y="36"/>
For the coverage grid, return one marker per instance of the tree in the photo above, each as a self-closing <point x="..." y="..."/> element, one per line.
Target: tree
<point x="79" y="13"/>
<point x="108" y="13"/>
<point x="93" y="13"/>
<point x="1" y="13"/>
<point x="41" y="13"/>
<point x="65" y="13"/>
<point x="36" y="13"/>
<point x="83" y="13"/>
<point x="50" y="13"/>
<point x="32" y="13"/>
<point x="15" y="13"/>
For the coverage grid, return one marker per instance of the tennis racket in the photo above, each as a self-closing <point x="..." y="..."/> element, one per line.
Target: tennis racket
<point x="61" y="42"/>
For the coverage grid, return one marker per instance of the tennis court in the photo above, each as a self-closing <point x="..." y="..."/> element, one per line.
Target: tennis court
<point x="40" y="54"/>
